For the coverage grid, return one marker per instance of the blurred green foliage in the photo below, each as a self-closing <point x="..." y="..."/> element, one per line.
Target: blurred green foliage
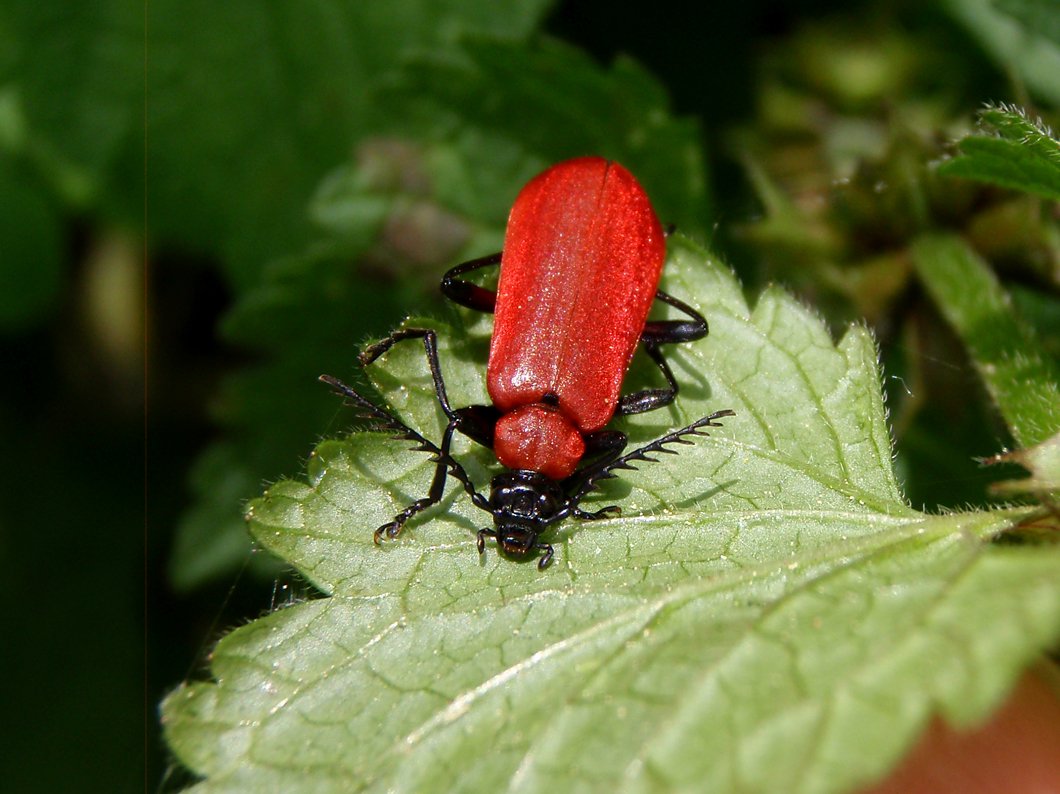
<point x="298" y="175"/>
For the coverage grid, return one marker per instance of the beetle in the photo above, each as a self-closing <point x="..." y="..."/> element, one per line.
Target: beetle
<point x="579" y="271"/>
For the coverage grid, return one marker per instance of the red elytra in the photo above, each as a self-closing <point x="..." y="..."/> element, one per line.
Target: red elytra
<point x="581" y="263"/>
<point x="582" y="258"/>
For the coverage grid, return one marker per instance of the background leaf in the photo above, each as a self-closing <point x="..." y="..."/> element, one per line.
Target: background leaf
<point x="77" y="71"/>
<point x="768" y="613"/>
<point x="32" y="261"/>
<point x="1022" y="156"/>
<point x="1023" y="379"/>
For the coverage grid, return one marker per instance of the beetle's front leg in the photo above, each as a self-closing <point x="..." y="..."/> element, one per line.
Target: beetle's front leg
<point x="610" y="511"/>
<point x="482" y="535"/>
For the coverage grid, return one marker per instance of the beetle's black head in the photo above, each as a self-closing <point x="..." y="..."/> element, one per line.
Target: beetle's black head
<point x="522" y="498"/>
<point x="523" y="503"/>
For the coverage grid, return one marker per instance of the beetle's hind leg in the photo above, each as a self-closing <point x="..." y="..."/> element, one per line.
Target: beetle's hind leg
<point x="663" y="332"/>
<point x="430" y="346"/>
<point x="466" y="293"/>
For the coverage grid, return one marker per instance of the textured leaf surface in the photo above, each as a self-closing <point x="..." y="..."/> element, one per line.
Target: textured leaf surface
<point x="1022" y="155"/>
<point x="767" y="615"/>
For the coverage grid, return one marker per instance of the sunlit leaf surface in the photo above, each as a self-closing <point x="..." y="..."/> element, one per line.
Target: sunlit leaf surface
<point x="767" y="615"/>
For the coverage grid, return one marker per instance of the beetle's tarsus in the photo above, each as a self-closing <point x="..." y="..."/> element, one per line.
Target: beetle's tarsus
<point x="610" y="511"/>
<point x="388" y="531"/>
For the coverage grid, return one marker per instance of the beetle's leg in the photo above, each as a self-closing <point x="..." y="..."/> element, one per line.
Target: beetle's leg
<point x="477" y="422"/>
<point x="663" y="332"/>
<point x="605" y="512"/>
<point x="446" y="463"/>
<point x="474" y="421"/>
<point x="639" y="402"/>
<point x="605" y="471"/>
<point x="464" y="292"/>
<point x="430" y="345"/>
<point x="546" y="558"/>
<point x="393" y="528"/>
<point x="481" y="539"/>
<point x="666" y="332"/>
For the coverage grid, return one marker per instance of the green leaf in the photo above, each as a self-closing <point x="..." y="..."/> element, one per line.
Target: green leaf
<point x="557" y="102"/>
<point x="768" y="614"/>
<point x="1022" y="155"/>
<point x="1022" y="378"/>
<point x="1042" y="461"/>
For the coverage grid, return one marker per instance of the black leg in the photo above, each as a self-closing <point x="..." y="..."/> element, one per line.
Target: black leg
<point x="639" y="402"/>
<point x="546" y="558"/>
<point x="663" y="332"/>
<point x="392" y="529"/>
<point x="430" y="345"/>
<point x="446" y="463"/>
<point x="464" y="292"/>
<point x="666" y="332"/>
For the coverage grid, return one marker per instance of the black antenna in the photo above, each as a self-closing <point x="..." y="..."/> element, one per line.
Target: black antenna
<point x="605" y="471"/>
<point x="439" y="455"/>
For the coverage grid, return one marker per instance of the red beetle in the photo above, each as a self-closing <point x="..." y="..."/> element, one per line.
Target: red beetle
<point x="579" y="272"/>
